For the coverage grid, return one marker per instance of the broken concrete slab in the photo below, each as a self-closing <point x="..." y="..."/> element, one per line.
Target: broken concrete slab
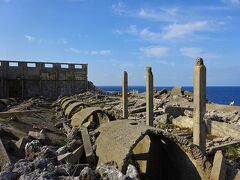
<point x="72" y="157"/>
<point x="38" y="135"/>
<point x="4" y="158"/>
<point x="219" y="129"/>
<point x="159" y="93"/>
<point x="76" y="155"/>
<point x="176" y="111"/>
<point x="137" y="110"/>
<point x="219" y="168"/>
<point x="67" y="103"/>
<point x="21" y="143"/>
<point x="221" y="147"/>
<point x="82" y="116"/>
<point x="73" y="108"/>
<point x="88" y="147"/>
<point x="16" y="113"/>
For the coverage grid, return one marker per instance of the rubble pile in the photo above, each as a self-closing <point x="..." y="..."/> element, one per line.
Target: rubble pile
<point x="57" y="140"/>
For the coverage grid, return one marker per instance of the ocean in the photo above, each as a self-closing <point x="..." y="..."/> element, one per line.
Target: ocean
<point x="220" y="95"/>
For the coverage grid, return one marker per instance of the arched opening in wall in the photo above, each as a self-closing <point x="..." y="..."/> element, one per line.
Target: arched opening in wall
<point x="156" y="158"/>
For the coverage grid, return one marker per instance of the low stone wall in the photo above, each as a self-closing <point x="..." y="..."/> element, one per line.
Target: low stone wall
<point x="213" y="127"/>
<point x="27" y="79"/>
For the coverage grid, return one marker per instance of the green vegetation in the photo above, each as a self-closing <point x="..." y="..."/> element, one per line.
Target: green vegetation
<point x="232" y="152"/>
<point x="63" y="142"/>
<point x="164" y="126"/>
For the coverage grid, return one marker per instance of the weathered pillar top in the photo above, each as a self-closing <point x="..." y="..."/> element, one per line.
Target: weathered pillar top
<point x="124" y="72"/>
<point x="149" y="69"/>
<point x="199" y="61"/>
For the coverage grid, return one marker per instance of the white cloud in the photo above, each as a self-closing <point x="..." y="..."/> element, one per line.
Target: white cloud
<point x="92" y="52"/>
<point x="232" y="2"/>
<point x="194" y="52"/>
<point x="29" y="38"/>
<point x="191" y="52"/>
<point x="119" y="8"/>
<point x="159" y="14"/>
<point x="154" y="51"/>
<point x="144" y="33"/>
<point x="174" y="31"/>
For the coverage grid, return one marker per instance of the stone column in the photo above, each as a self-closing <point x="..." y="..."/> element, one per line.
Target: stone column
<point x="149" y="96"/>
<point x="199" y="127"/>
<point x="125" y="94"/>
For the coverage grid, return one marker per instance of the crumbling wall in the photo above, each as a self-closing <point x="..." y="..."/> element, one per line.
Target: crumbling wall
<point x="27" y="79"/>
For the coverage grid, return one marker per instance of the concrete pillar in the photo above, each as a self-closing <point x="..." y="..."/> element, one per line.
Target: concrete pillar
<point x="125" y="94"/>
<point x="149" y="96"/>
<point x="219" y="167"/>
<point x="199" y="128"/>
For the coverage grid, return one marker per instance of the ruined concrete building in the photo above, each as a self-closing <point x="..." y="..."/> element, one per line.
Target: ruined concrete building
<point x="27" y="79"/>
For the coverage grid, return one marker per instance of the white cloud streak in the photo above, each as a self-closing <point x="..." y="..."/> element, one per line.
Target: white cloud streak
<point x="193" y="52"/>
<point x="91" y="52"/>
<point x="174" y="31"/>
<point x="29" y="38"/>
<point x="160" y="14"/>
<point x="119" y="8"/>
<point x="154" y="52"/>
<point x="232" y="2"/>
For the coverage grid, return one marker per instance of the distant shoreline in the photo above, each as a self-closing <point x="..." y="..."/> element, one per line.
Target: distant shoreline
<point x="217" y="94"/>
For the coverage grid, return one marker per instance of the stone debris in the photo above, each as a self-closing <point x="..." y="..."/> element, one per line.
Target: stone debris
<point x="57" y="144"/>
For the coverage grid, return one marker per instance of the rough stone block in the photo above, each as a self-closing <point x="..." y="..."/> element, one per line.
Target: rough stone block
<point x="4" y="158"/>
<point x="88" y="146"/>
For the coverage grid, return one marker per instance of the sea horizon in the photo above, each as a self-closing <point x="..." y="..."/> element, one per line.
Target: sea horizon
<point x="216" y="94"/>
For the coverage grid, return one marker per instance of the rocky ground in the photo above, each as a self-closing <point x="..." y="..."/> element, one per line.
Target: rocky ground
<point x="41" y="144"/>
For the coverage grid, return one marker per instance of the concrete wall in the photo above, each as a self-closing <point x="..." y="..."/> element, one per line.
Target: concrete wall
<point x="27" y="79"/>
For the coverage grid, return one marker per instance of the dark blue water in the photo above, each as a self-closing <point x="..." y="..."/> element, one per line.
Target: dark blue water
<point x="220" y="95"/>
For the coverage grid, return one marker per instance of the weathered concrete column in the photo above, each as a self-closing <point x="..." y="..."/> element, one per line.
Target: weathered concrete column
<point x="149" y="96"/>
<point x="199" y="129"/>
<point x="125" y="94"/>
<point x="219" y="167"/>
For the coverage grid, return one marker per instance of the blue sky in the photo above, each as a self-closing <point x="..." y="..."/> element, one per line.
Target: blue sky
<point x="112" y="36"/>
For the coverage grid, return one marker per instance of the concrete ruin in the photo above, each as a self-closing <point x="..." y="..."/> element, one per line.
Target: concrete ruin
<point x="90" y="132"/>
<point x="158" y="155"/>
<point x="199" y="130"/>
<point x="149" y="96"/>
<point x="28" y="79"/>
<point x="125" y="94"/>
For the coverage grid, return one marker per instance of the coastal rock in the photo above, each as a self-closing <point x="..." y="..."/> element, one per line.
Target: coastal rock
<point x="23" y="167"/>
<point x="132" y="172"/>
<point x="8" y="176"/>
<point x="32" y="148"/>
<point x="88" y="174"/>
<point x="110" y="172"/>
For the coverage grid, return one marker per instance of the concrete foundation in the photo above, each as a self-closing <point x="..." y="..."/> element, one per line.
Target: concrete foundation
<point x="27" y="79"/>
